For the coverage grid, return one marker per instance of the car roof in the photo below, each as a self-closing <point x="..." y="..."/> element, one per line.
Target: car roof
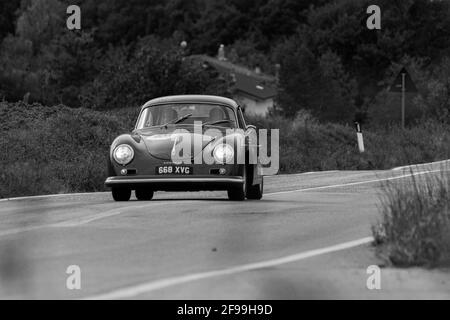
<point x="192" y="98"/>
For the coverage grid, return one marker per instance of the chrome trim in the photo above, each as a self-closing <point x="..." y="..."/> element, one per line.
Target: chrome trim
<point x="123" y="145"/>
<point x="120" y="180"/>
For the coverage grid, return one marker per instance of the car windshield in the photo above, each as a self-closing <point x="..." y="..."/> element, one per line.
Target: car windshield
<point x="182" y="114"/>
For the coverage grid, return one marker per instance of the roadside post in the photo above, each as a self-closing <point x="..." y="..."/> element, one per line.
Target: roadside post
<point x="403" y="99"/>
<point x="403" y="83"/>
<point x="359" y="137"/>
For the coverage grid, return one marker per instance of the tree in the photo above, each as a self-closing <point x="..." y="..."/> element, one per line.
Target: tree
<point x="318" y="85"/>
<point x="124" y="21"/>
<point x="68" y="62"/>
<point x="41" y="22"/>
<point x="131" y="75"/>
<point x="435" y="101"/>
<point x="8" y="17"/>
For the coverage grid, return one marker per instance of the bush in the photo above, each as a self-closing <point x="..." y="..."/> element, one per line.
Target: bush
<point x="308" y="145"/>
<point x="415" y="225"/>
<point x="54" y="149"/>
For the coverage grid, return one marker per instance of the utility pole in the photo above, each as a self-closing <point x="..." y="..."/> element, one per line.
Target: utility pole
<point x="403" y="99"/>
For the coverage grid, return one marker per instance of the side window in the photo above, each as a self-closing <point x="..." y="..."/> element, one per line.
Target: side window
<point x="241" y="119"/>
<point x="141" y="120"/>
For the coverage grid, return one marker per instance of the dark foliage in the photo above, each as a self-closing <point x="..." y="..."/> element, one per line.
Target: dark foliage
<point x="8" y="16"/>
<point x="331" y="64"/>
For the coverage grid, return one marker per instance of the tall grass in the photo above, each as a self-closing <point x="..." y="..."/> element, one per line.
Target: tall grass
<point x="415" y="225"/>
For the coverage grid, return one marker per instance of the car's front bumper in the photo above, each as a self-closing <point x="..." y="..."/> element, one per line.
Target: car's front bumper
<point x="176" y="183"/>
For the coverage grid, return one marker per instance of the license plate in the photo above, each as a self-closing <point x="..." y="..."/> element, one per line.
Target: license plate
<point x="178" y="170"/>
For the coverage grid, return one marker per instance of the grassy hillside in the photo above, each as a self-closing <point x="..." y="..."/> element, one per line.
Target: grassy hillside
<point x="53" y="149"/>
<point x="306" y="144"/>
<point x="60" y="149"/>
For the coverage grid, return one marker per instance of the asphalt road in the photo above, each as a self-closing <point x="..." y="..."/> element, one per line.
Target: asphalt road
<point x="307" y="238"/>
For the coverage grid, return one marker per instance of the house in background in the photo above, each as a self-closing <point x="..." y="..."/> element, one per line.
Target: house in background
<point x="253" y="90"/>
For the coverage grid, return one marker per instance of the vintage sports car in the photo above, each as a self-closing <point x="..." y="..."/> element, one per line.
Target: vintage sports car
<point x="215" y="129"/>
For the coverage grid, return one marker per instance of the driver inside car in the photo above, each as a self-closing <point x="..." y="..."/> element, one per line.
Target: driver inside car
<point x="216" y="114"/>
<point x="168" y="115"/>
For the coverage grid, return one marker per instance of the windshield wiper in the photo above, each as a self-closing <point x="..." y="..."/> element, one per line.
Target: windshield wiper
<point x="175" y="121"/>
<point x="216" y="122"/>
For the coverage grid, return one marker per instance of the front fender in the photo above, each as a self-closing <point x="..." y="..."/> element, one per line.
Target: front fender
<point x="140" y="153"/>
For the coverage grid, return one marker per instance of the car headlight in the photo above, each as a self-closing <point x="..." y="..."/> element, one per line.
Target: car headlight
<point x="123" y="154"/>
<point x="223" y="153"/>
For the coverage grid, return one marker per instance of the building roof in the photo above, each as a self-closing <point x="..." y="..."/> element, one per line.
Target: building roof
<point x="258" y="85"/>
<point x="254" y="87"/>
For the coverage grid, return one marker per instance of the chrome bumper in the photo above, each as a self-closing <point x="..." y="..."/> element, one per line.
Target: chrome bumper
<point x="179" y="183"/>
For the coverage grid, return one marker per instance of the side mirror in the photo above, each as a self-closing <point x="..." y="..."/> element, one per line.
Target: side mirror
<point x="250" y="126"/>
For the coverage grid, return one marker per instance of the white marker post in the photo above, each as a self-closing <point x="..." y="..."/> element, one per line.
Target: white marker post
<point x="359" y="137"/>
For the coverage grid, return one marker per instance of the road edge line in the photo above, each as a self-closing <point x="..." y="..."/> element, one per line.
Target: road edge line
<point x="353" y="183"/>
<point x="293" y="174"/>
<point x="413" y="166"/>
<point x="133" y="291"/>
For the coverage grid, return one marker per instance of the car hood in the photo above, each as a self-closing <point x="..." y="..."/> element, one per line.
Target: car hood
<point x="161" y="142"/>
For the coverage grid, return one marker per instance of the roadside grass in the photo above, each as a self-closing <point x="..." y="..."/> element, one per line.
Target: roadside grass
<point x="414" y="229"/>
<point x="308" y="145"/>
<point x="47" y="150"/>
<point x="58" y="149"/>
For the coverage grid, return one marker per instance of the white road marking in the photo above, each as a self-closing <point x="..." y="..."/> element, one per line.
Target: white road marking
<point x="353" y="183"/>
<point x="84" y="220"/>
<point x="19" y="230"/>
<point x="52" y="196"/>
<point x="76" y="222"/>
<point x="147" y="287"/>
<point x="282" y="175"/>
<point x="159" y="284"/>
<point x="421" y="165"/>
<point x="302" y="174"/>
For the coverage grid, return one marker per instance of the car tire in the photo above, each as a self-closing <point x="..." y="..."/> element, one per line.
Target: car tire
<point x="121" y="194"/>
<point x="144" y="194"/>
<point x="239" y="193"/>
<point x="256" y="191"/>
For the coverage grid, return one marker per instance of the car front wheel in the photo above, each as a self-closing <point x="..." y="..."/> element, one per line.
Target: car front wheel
<point x="256" y="191"/>
<point x="121" y="194"/>
<point x="144" y="194"/>
<point x="239" y="193"/>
